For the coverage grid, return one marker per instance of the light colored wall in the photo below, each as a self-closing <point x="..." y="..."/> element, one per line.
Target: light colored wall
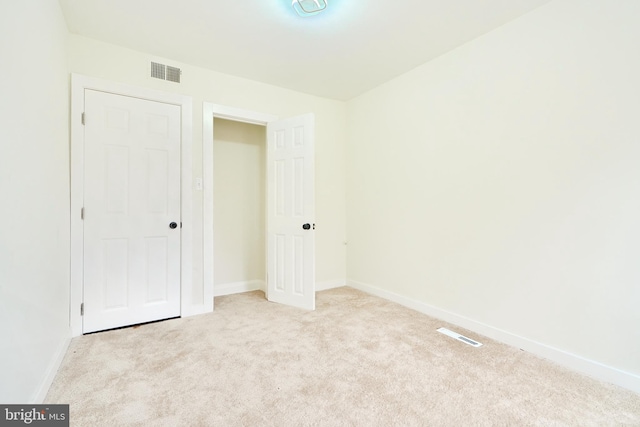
<point x="501" y="181"/>
<point x="34" y="189"/>
<point x="239" y="170"/>
<point x="98" y="59"/>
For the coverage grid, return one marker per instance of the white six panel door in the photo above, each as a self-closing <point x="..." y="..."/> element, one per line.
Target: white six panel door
<point x="290" y="205"/>
<point x="131" y="195"/>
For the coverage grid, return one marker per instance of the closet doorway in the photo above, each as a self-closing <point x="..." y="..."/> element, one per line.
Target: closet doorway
<point x="259" y="202"/>
<point x="239" y="212"/>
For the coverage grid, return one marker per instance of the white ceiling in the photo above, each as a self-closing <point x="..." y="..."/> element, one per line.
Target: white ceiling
<point x="350" y="48"/>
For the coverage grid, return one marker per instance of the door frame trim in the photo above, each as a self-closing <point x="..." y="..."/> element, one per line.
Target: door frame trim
<point x="79" y="83"/>
<point x="209" y="112"/>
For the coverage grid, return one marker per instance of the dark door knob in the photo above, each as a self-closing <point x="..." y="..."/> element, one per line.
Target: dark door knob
<point x="173" y="225"/>
<point x="306" y="226"/>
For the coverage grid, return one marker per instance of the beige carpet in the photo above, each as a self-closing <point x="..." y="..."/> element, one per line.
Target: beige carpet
<point x="357" y="360"/>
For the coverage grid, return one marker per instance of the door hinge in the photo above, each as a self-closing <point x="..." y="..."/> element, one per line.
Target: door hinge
<point x="82" y="309"/>
<point x="81" y="213"/>
<point x="82" y="118"/>
<point x="180" y="224"/>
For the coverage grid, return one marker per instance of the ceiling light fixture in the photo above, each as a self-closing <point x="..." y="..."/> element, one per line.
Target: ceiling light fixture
<point x="309" y="7"/>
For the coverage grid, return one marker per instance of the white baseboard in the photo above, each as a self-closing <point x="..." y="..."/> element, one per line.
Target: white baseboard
<point x="52" y="370"/>
<point x="572" y="361"/>
<point x="259" y="285"/>
<point x="238" y="287"/>
<point x="197" y="309"/>
<point x="330" y="284"/>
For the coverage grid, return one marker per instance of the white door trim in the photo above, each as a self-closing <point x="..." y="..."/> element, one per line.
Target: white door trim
<point x="209" y="111"/>
<point x="78" y="85"/>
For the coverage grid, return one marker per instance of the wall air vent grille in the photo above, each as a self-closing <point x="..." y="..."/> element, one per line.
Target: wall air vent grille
<point x="173" y="74"/>
<point x="165" y="72"/>
<point x="158" y="70"/>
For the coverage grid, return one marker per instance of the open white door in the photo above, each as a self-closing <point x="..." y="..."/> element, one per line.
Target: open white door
<point x="131" y="211"/>
<point x="291" y="212"/>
